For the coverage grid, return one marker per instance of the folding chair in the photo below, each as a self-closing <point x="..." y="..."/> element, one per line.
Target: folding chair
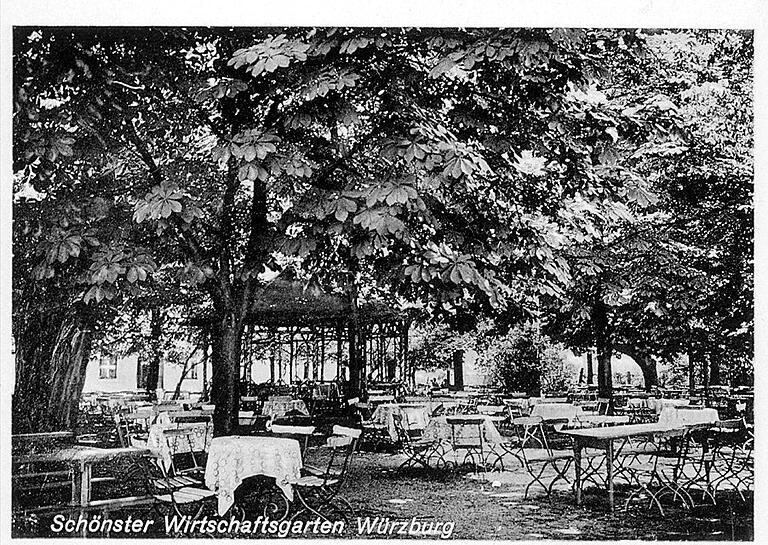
<point x="172" y="495"/>
<point x="418" y="451"/>
<point x="373" y="433"/>
<point x="132" y="429"/>
<point x="189" y="417"/>
<point x="656" y="472"/>
<point x="468" y="436"/>
<point x="188" y="443"/>
<point x="299" y="433"/>
<point x="319" y="493"/>
<point x="538" y="461"/>
<point x="732" y="464"/>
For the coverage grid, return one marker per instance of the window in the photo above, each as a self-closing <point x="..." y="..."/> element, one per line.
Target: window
<point x="108" y="367"/>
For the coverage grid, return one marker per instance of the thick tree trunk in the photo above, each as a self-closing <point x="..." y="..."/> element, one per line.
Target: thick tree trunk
<point x="225" y="360"/>
<point x="50" y="373"/>
<point x="645" y="361"/>
<point x="68" y="365"/>
<point x="650" y="373"/>
<point x="604" y="345"/>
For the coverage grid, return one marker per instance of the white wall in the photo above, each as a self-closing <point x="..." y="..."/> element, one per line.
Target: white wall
<point x="126" y="377"/>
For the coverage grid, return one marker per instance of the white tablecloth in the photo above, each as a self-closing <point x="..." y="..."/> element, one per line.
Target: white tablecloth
<point x="438" y="429"/>
<point x="601" y="420"/>
<point x="661" y="404"/>
<point x="682" y="415"/>
<point x="165" y="447"/>
<point x="281" y="408"/>
<point x="553" y="411"/>
<point x="234" y="458"/>
<point x="415" y="416"/>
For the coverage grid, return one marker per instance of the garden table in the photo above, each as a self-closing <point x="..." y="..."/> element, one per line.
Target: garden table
<point x="557" y="411"/>
<point x="81" y="460"/>
<point x="601" y="420"/>
<point x="604" y="439"/>
<point x="277" y="408"/>
<point x="661" y="404"/>
<point x="232" y="459"/>
<point x="688" y="415"/>
<point x="439" y="429"/>
<point x="415" y="416"/>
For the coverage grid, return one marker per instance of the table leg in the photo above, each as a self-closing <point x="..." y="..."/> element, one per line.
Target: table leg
<point x="577" y="468"/>
<point x="609" y="464"/>
<point x="85" y="483"/>
<point x="77" y="484"/>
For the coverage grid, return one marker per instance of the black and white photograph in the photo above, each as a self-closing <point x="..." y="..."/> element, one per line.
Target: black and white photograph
<point x="379" y="279"/>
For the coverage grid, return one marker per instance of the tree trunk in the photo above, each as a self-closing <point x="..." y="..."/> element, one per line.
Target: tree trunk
<point x="204" y="395"/>
<point x="604" y="345"/>
<point x="225" y="361"/>
<point x="714" y="370"/>
<point x="155" y="358"/>
<point x="693" y="355"/>
<point x="69" y="362"/>
<point x="650" y="374"/>
<point x="50" y="374"/>
<point x="356" y="387"/>
<point x="644" y="360"/>
<point x="590" y="368"/>
<point x="458" y="369"/>
<point x="357" y="372"/>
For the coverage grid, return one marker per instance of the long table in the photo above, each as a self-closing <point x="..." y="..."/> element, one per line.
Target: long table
<point x="81" y="459"/>
<point x="604" y="439"/>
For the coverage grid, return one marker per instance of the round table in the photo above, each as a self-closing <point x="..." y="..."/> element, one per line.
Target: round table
<point x="232" y="459"/>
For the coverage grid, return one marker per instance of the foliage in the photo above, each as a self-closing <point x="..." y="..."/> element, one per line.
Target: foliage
<point x="431" y="345"/>
<point x="676" y="273"/>
<point x="455" y="168"/>
<point x="524" y="360"/>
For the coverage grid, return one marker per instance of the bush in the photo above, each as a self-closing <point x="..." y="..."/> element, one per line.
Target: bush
<point x="524" y="360"/>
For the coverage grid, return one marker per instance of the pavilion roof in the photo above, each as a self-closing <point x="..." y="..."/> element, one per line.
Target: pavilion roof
<point x="288" y="301"/>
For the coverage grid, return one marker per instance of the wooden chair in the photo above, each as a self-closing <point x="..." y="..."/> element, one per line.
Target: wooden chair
<point x="187" y="459"/>
<point x="318" y="493"/>
<point x="132" y="429"/>
<point x="655" y="472"/>
<point x="190" y="416"/>
<point x="172" y="495"/>
<point x="299" y="433"/>
<point x="732" y="458"/>
<point x="374" y="434"/>
<point x="468" y="436"/>
<point x="537" y="461"/>
<point x="418" y="451"/>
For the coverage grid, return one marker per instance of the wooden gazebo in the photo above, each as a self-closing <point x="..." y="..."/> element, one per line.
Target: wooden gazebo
<point x="303" y="333"/>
